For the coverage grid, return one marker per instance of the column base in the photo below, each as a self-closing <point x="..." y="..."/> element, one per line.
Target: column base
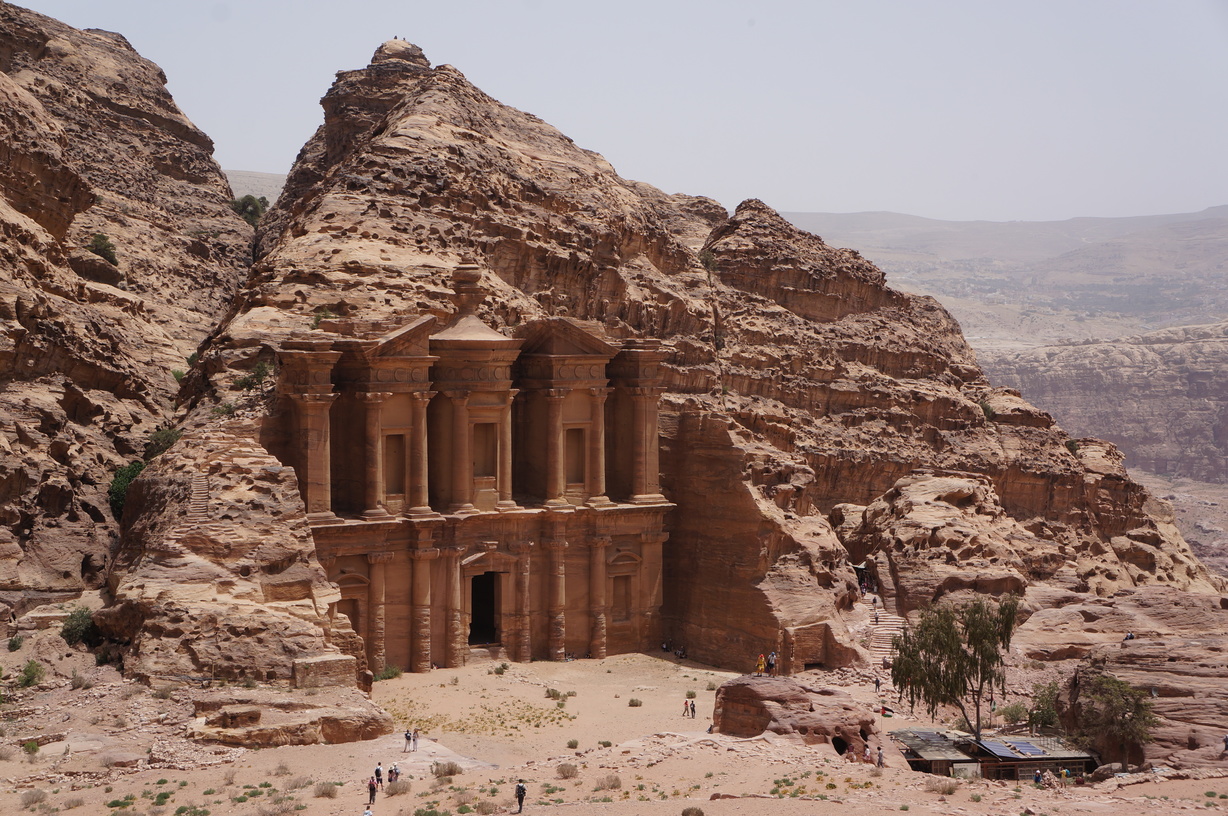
<point x="505" y="505"/>
<point x="649" y="498"/>
<point x="323" y="517"/>
<point x="599" y="501"/>
<point x="420" y="512"/>
<point x="466" y="509"/>
<point x="378" y="514"/>
<point x="557" y="502"/>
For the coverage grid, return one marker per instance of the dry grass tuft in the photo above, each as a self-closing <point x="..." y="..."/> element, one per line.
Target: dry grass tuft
<point x="567" y="770"/>
<point x="396" y="788"/>
<point x="944" y="786"/>
<point x="325" y="790"/>
<point x="609" y="782"/>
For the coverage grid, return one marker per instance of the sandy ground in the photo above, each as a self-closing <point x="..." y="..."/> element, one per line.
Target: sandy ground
<point x="498" y="727"/>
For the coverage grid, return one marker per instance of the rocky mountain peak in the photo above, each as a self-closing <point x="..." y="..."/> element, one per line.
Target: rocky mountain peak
<point x="402" y="51"/>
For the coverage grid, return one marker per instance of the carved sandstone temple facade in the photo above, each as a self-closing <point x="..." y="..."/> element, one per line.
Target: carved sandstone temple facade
<point x="473" y="491"/>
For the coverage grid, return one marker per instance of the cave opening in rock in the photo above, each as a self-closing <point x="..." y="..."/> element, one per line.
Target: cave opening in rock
<point x="840" y="745"/>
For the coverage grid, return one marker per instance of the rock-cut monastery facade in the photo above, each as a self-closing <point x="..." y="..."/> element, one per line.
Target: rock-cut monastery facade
<point x="474" y="492"/>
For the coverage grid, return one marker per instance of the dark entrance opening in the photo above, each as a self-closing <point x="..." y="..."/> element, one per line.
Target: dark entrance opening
<point x="482" y="627"/>
<point x="839" y="744"/>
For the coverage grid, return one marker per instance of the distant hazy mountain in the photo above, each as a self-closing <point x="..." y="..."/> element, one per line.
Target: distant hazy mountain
<point x="1031" y="282"/>
<point x="247" y="182"/>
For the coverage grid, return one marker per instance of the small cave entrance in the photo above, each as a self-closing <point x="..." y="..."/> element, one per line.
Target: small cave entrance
<point x="483" y="628"/>
<point x="839" y="744"/>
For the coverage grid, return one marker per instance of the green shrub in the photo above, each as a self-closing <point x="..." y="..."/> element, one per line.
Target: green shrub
<point x="101" y="246"/>
<point x="15" y="642"/>
<point x="30" y="747"/>
<point x="79" y="628"/>
<point x="31" y="675"/>
<point x="711" y="686"/>
<point x="117" y="491"/>
<point x="573" y="744"/>
<point x="389" y="672"/>
<point x="225" y="409"/>
<point x="567" y="770"/>
<point x="177" y="373"/>
<point x="1014" y="713"/>
<point x="987" y="409"/>
<point x="604" y="743"/>
<point x="1072" y="446"/>
<point x="250" y="208"/>
<point x="80" y="681"/>
<point x="690" y="695"/>
<point x="635" y="702"/>
<point x="161" y="440"/>
<point x="322" y="313"/>
<point x="692" y="811"/>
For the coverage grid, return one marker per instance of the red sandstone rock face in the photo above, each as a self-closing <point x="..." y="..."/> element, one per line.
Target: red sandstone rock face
<point x="1180" y="653"/>
<point x="797" y="382"/>
<point x="748" y="706"/>
<point x="90" y="141"/>
<point x="217" y="576"/>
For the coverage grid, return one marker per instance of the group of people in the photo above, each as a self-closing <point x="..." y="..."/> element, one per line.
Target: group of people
<point x="376" y="782"/>
<point x="688" y="708"/>
<point x="867" y="756"/>
<point x="411" y="740"/>
<point x="766" y="665"/>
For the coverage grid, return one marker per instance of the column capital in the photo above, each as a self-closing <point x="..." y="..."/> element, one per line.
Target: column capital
<point x="326" y="560"/>
<point x="379" y="558"/>
<point x="424" y="553"/>
<point x="454" y="550"/>
<point x="520" y="547"/>
<point x="600" y="542"/>
<point x="555" y="545"/>
<point x="557" y="393"/>
<point x="654" y="538"/>
<point x="646" y="390"/>
<point x="422" y="396"/>
<point x="600" y="393"/>
<point x="311" y="399"/>
<point x="456" y="396"/>
<point x="375" y="397"/>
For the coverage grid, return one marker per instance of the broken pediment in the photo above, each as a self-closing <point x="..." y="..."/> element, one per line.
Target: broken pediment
<point x="412" y="340"/>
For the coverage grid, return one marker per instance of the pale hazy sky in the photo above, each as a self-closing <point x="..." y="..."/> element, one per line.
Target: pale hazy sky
<point x="985" y="109"/>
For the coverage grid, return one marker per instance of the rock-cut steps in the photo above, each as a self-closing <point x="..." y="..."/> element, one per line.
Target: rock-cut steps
<point x="881" y="634"/>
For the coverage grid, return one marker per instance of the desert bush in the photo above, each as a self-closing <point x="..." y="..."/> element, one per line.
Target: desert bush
<point x="79" y="628"/>
<point x="117" y="491"/>
<point x="711" y="687"/>
<point x="554" y="694"/>
<point x="30" y="747"/>
<point x="229" y="776"/>
<point x="279" y="807"/>
<point x="161" y="440"/>
<point x="322" y="313"/>
<point x="224" y="409"/>
<point x="936" y="784"/>
<point x="74" y="802"/>
<point x="6" y="753"/>
<point x="397" y="788"/>
<point x="1014" y="713"/>
<point x="485" y="807"/>
<point x="609" y="782"/>
<point x="604" y="743"/>
<point x="250" y="208"/>
<point x="439" y="769"/>
<point x="101" y="246"/>
<point x="987" y="410"/>
<point x="282" y="770"/>
<point x="692" y="811"/>
<point x="31" y="674"/>
<point x="567" y="770"/>
<point x="80" y="681"/>
<point x="635" y="702"/>
<point x="163" y="692"/>
<point x="573" y="744"/>
<point x="325" y="790"/>
<point x="690" y="695"/>
<point x="34" y="797"/>
<point x="178" y="374"/>
<point x="15" y="642"/>
<point x="298" y="782"/>
<point x="389" y="672"/>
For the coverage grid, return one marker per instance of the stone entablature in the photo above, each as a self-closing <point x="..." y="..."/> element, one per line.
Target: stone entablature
<point x="470" y="489"/>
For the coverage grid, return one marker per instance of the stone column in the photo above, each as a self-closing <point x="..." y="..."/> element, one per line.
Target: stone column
<point x="596" y="447"/>
<point x="506" y="502"/>
<point x="373" y="455"/>
<point x="522" y="636"/>
<point x="315" y="456"/>
<point x="557" y="598"/>
<point x="462" y="454"/>
<point x="645" y="463"/>
<point x="457" y="636"/>
<point x="650" y="588"/>
<point x="375" y="598"/>
<point x="420" y="622"/>
<point x="596" y="594"/>
<point x="417" y="469"/>
<point x="556" y="473"/>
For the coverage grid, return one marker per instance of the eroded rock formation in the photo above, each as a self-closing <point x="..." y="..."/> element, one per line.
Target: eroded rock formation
<point x="92" y="143"/>
<point x="749" y="706"/>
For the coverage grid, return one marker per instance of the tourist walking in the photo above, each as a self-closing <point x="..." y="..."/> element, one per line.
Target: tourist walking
<point x="692" y="709"/>
<point x="771" y="664"/>
<point x="379" y="775"/>
<point x="881" y="763"/>
<point x="865" y="757"/>
<point x="760" y="665"/>
<point x="521" y="790"/>
<point x="415" y="739"/>
<point x="371" y="791"/>
<point x="409" y="738"/>
<point x="686" y="708"/>
<point x="878" y="683"/>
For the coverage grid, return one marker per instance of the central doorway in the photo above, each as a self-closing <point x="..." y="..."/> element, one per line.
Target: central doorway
<point x="484" y="594"/>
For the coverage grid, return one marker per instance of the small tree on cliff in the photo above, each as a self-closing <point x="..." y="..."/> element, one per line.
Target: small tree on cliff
<point x="954" y="656"/>
<point x="1115" y="714"/>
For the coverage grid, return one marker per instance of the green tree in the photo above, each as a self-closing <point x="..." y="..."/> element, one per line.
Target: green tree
<point x="79" y="627"/>
<point x="101" y="246"/>
<point x="954" y="656"/>
<point x="1112" y="713"/>
<point x="1043" y="713"/>
<point x="250" y="208"/>
<point x="117" y="491"/>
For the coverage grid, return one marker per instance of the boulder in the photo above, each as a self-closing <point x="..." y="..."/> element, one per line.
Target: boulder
<point x="748" y="706"/>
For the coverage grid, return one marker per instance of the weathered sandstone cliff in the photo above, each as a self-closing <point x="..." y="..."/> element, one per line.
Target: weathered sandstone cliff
<point x="92" y="143"/>
<point x="1162" y="396"/>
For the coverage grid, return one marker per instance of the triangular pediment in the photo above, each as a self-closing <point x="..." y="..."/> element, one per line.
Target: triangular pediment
<point x="562" y="337"/>
<point x="408" y="341"/>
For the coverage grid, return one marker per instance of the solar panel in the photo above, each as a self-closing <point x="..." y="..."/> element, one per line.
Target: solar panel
<point x="998" y="749"/>
<point x="1028" y="749"/>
